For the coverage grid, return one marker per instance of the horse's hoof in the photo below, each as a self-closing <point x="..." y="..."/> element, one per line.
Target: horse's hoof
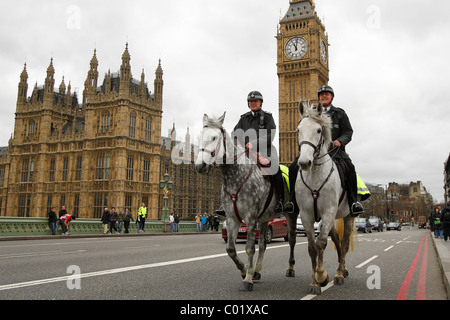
<point x="257" y="276"/>
<point x="323" y="284"/>
<point x="247" y="286"/>
<point x="317" y="291"/>
<point x="338" y="281"/>
<point x="290" y="273"/>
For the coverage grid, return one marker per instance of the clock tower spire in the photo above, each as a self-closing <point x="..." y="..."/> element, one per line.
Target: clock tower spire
<point x="302" y="67"/>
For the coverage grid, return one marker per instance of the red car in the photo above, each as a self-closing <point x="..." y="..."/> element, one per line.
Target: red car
<point x="278" y="228"/>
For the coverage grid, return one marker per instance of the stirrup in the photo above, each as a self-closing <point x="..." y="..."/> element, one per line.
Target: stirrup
<point x="279" y="207"/>
<point x="356" y="209"/>
<point x="289" y="207"/>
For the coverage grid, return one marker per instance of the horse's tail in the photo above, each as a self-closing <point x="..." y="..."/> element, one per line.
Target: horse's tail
<point x="340" y="231"/>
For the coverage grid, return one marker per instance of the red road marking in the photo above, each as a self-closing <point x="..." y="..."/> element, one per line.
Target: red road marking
<point x="421" y="290"/>
<point x="403" y="292"/>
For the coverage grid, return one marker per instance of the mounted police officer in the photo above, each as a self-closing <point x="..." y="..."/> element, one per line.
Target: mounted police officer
<point x="341" y="133"/>
<point x="256" y="131"/>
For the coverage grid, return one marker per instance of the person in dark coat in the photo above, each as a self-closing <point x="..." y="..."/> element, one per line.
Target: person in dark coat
<point x="342" y="133"/>
<point x="106" y="220"/>
<point x="256" y="131"/>
<point x="445" y="216"/>
<point x="52" y="220"/>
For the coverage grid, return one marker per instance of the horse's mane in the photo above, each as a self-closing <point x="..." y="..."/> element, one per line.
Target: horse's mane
<point x="322" y="119"/>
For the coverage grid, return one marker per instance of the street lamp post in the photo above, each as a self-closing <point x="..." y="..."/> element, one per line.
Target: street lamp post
<point x="166" y="186"/>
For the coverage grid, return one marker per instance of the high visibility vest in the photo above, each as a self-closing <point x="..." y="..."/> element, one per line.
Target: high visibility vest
<point x="363" y="191"/>
<point x="142" y="211"/>
<point x="285" y="174"/>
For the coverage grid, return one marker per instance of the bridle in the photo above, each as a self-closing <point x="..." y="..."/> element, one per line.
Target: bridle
<point x="216" y="151"/>
<point x="316" y="193"/>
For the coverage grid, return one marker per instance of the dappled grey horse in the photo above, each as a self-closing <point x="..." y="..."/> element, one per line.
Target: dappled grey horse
<point x="246" y="196"/>
<point x="319" y="194"/>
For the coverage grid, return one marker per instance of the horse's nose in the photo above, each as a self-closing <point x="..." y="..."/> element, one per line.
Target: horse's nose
<point x="304" y="164"/>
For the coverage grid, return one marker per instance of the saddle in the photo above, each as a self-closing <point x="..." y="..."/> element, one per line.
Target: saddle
<point x="343" y="171"/>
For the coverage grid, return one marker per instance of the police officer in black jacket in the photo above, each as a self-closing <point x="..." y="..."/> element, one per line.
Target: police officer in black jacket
<point x="255" y="131"/>
<point x="341" y="134"/>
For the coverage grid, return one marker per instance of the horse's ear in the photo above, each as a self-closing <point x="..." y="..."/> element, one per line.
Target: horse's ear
<point x="205" y="119"/>
<point x="301" y="108"/>
<point x="320" y="109"/>
<point x="222" y="118"/>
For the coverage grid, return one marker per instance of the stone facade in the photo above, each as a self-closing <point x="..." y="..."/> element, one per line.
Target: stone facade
<point x="102" y="151"/>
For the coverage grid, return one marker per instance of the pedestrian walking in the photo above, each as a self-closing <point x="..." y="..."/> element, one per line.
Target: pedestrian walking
<point x="445" y="216"/>
<point x="106" y="220"/>
<point x="198" y="222"/>
<point x="204" y="222"/>
<point x="172" y="222"/>
<point x="52" y="220"/>
<point x="142" y="213"/>
<point x="176" y="221"/>
<point x="120" y="216"/>
<point x="114" y="217"/>
<point x="126" y="220"/>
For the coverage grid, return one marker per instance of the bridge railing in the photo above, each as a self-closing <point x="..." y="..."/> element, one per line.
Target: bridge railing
<point x="14" y="226"/>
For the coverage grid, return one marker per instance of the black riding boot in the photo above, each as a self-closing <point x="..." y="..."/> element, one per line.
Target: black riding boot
<point x="356" y="208"/>
<point x="292" y="206"/>
<point x="277" y="181"/>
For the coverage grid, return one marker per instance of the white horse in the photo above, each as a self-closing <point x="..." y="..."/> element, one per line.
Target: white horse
<point x="320" y="195"/>
<point x="246" y="195"/>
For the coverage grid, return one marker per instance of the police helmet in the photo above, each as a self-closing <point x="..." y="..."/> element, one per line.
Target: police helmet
<point x="255" y="95"/>
<point x="325" y="89"/>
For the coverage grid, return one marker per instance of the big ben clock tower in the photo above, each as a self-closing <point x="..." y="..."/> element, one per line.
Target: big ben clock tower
<point x="302" y="69"/>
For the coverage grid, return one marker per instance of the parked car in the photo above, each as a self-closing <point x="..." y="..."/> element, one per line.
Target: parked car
<point x="363" y="224"/>
<point x="301" y="228"/>
<point x="278" y="228"/>
<point x="376" y="224"/>
<point x="394" y="226"/>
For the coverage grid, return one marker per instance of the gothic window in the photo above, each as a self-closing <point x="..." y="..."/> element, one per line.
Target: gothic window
<point x="65" y="168"/>
<point x="2" y="177"/>
<point x="146" y="175"/>
<point x="132" y="127"/>
<point x="24" y="205"/>
<point x="76" y="205"/>
<point x="130" y="166"/>
<point x="100" y="202"/>
<point x="103" y="162"/>
<point x="52" y="170"/>
<point x="27" y="170"/>
<point x="128" y="201"/>
<point x="105" y="121"/>
<point x="148" y="130"/>
<point x="31" y="128"/>
<point x="79" y="168"/>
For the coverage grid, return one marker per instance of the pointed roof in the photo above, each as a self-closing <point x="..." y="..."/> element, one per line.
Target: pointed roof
<point x="299" y="10"/>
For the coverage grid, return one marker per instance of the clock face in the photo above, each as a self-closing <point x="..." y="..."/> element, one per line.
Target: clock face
<point x="323" y="52"/>
<point x="296" y="48"/>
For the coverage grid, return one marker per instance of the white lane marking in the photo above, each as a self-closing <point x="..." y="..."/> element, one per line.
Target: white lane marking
<point x="366" y="262"/>
<point x="125" y="269"/>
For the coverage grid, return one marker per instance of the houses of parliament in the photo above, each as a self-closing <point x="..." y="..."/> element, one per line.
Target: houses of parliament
<point x="105" y="148"/>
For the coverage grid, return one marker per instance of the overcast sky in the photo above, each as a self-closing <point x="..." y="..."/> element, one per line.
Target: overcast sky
<point x="388" y="65"/>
